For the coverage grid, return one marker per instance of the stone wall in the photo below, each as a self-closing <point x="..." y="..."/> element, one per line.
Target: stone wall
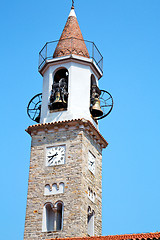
<point x="76" y="177"/>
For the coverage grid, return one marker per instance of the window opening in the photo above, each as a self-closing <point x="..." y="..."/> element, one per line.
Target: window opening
<point x="52" y="217"/>
<point x="90" y="222"/>
<point x="59" y="92"/>
<point x="95" y="93"/>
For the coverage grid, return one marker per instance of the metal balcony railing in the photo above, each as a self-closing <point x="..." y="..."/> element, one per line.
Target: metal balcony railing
<point x="68" y="47"/>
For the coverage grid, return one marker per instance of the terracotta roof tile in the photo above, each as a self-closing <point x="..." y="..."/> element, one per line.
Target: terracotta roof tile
<point x="51" y="125"/>
<point x="71" y="40"/>
<point x="138" y="236"/>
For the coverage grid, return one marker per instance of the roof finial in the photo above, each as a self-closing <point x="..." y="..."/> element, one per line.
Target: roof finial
<point x="72" y="4"/>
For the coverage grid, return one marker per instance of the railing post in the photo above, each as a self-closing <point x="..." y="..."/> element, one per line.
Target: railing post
<point x="46" y="51"/>
<point x="93" y="51"/>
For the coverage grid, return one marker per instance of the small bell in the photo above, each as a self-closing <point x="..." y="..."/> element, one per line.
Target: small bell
<point x="96" y="110"/>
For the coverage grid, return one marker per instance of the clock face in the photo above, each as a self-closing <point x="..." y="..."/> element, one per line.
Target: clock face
<point x="55" y="155"/>
<point x="91" y="162"/>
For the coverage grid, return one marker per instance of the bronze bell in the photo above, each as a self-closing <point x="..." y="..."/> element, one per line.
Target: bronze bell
<point x="96" y="110"/>
<point x="37" y="119"/>
<point x="58" y="103"/>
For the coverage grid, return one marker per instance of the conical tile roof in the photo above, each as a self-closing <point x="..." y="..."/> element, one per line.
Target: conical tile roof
<point x="71" y="40"/>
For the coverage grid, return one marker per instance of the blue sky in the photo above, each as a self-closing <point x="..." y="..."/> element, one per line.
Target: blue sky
<point x="127" y="32"/>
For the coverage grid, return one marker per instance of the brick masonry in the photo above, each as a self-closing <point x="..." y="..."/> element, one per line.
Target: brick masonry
<point x="71" y="40"/>
<point x="76" y="177"/>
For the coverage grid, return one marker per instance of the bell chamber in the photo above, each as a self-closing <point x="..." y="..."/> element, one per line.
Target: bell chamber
<point x="101" y="101"/>
<point x="59" y="93"/>
<point x="95" y="108"/>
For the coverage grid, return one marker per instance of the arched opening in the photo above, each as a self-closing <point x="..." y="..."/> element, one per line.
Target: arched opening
<point x="61" y="187"/>
<point x="52" y="217"/>
<point x="95" y="93"/>
<point x="61" y="73"/>
<point x="47" y="189"/>
<point x="59" y="93"/>
<point x="59" y="216"/>
<point x="90" y="222"/>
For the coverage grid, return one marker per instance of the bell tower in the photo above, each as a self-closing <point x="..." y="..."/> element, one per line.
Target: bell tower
<point x="65" y="177"/>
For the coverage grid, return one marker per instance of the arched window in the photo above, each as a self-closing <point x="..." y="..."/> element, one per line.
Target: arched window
<point x="61" y="73"/>
<point x="90" y="221"/>
<point x="59" y="216"/>
<point x="54" y="189"/>
<point x="59" y="93"/>
<point x="52" y="217"/>
<point x="95" y="93"/>
<point x="47" y="189"/>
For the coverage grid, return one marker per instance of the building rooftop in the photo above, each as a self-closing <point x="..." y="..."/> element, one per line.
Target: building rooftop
<point x="71" y="31"/>
<point x="138" y="236"/>
<point x="72" y="45"/>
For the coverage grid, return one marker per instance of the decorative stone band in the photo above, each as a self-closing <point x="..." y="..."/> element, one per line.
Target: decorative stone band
<point x="82" y="124"/>
<point x="54" y="189"/>
<point x="139" y="236"/>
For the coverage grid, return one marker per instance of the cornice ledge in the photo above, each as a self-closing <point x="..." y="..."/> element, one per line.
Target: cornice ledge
<point x="68" y="124"/>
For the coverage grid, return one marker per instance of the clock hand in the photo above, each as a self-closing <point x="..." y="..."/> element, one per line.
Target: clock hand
<point x="51" y="157"/>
